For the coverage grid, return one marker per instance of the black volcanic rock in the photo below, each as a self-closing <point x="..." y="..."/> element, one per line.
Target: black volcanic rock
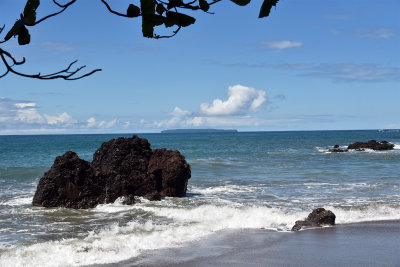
<point x="171" y="178"/>
<point x="316" y="218"/>
<point x="372" y="144"/>
<point x="123" y="164"/>
<point x="70" y="183"/>
<point x="123" y="167"/>
<point x="336" y="149"/>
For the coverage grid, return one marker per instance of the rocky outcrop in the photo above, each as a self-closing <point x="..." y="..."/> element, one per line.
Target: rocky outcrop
<point x="123" y="167"/>
<point x="361" y="146"/>
<point x="70" y="182"/>
<point x="316" y="218"/>
<point x="372" y="144"/>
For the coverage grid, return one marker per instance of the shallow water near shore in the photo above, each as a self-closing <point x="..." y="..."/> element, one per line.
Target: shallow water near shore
<point x="239" y="181"/>
<point x="359" y="244"/>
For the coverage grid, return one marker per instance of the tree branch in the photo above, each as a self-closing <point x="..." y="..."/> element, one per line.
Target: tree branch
<point x="64" y="7"/>
<point x="112" y="11"/>
<point x="22" y="33"/>
<point x="66" y="74"/>
<point x="168" y="36"/>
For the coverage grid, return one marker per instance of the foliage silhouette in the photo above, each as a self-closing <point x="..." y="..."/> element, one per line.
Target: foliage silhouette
<point x="154" y="13"/>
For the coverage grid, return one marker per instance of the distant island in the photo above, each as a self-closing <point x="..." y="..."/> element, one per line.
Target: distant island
<point x="200" y="131"/>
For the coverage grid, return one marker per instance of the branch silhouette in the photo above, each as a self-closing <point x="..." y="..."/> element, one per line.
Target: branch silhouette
<point x="66" y="74"/>
<point x="154" y="13"/>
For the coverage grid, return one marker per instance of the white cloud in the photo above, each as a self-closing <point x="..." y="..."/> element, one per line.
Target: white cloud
<point x="179" y="112"/>
<point x="29" y="115"/>
<point x="56" y="47"/>
<point x="60" y="119"/>
<point x="25" y="104"/>
<point x="178" y="116"/>
<point x="225" y="121"/>
<point x="111" y="123"/>
<point x="281" y="45"/>
<point x="375" y="33"/>
<point x="348" y="72"/>
<point x="234" y="111"/>
<point x="91" y="122"/>
<point x="22" y="117"/>
<point x="241" y="100"/>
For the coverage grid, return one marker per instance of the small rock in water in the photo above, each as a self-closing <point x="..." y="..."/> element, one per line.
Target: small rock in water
<point x="336" y="149"/>
<point x="316" y="218"/>
<point x="371" y="144"/>
<point x="361" y="146"/>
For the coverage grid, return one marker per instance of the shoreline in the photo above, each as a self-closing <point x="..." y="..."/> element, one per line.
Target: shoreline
<point x="372" y="243"/>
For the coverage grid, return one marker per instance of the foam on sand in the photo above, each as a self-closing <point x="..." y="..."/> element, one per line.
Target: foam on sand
<point x="169" y="225"/>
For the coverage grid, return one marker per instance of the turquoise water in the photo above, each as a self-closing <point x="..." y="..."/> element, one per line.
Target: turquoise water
<point x="239" y="180"/>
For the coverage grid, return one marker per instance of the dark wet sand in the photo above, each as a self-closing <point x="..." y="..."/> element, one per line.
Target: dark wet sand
<point x="365" y="244"/>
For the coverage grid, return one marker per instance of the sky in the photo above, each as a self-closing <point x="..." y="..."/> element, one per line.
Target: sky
<point x="310" y="65"/>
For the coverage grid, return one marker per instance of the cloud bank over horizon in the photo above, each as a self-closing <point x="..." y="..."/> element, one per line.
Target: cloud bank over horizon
<point x="22" y="116"/>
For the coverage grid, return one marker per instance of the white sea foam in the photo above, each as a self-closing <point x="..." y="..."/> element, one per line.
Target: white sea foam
<point x="373" y="212"/>
<point x="119" y="243"/>
<point x="115" y="207"/>
<point x="18" y="201"/>
<point x="115" y="243"/>
<point x="216" y="161"/>
<point x="325" y="150"/>
<point x="322" y="149"/>
<point x="223" y="189"/>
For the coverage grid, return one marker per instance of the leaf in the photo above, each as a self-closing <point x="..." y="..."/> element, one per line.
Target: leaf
<point x="204" y="5"/>
<point x="15" y="30"/>
<point x="24" y="37"/>
<point x="241" y="2"/>
<point x="266" y="7"/>
<point x="160" y="9"/>
<point x="147" y="7"/>
<point x="156" y="20"/>
<point x="179" y="19"/>
<point x="133" y="11"/>
<point x="174" y="3"/>
<point x="30" y="11"/>
<point x="10" y="33"/>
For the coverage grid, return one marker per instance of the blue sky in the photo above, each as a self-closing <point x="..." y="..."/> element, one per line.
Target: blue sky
<point x="311" y="65"/>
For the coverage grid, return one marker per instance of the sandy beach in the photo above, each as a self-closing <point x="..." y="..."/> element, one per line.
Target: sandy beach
<point x="362" y="244"/>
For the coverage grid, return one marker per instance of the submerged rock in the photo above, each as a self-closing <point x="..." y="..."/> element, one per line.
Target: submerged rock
<point x="336" y="149"/>
<point x="123" y="167"/>
<point x="372" y="144"/>
<point x="316" y="218"/>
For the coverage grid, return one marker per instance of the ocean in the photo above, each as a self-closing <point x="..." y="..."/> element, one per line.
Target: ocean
<point x="244" y="180"/>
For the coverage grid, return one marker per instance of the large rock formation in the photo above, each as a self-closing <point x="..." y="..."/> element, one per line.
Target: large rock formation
<point x="123" y="167"/>
<point x="372" y="144"/>
<point x="316" y="218"/>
